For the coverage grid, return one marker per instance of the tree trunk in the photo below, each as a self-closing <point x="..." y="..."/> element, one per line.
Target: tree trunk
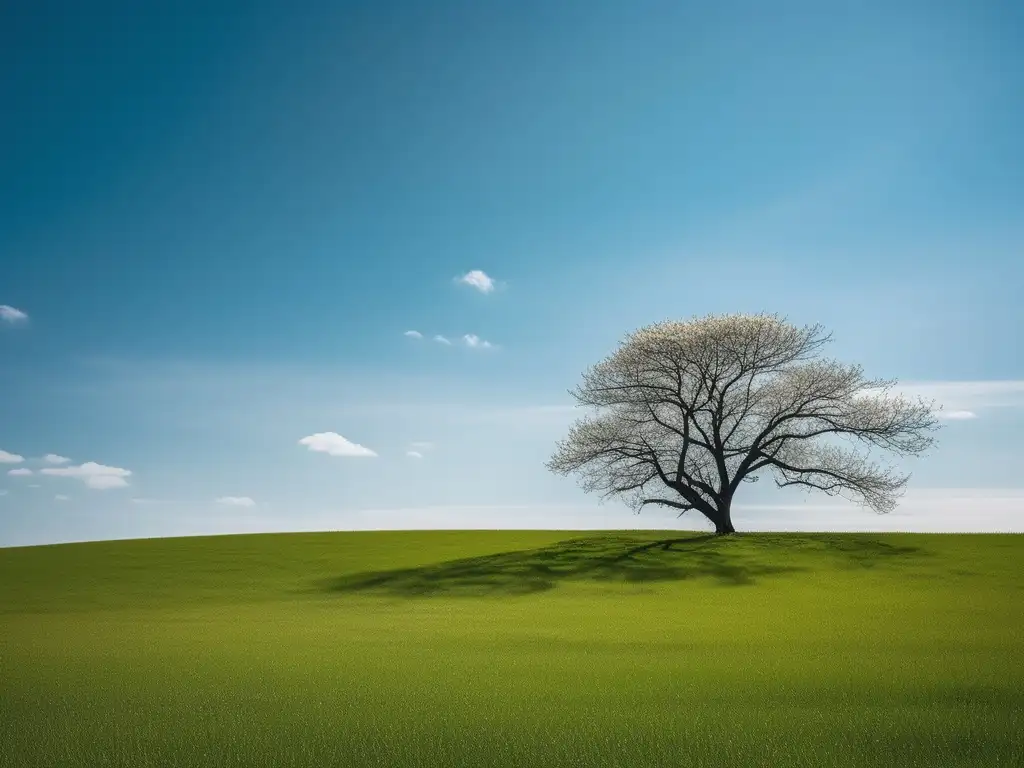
<point x="724" y="526"/>
<point x="723" y="520"/>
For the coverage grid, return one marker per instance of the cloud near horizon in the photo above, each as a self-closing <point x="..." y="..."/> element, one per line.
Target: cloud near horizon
<point x="53" y="458"/>
<point x="962" y="397"/>
<point x="334" y="444"/>
<point x="478" y="279"/>
<point x="20" y="472"/>
<point x="10" y="458"/>
<point x="99" y="477"/>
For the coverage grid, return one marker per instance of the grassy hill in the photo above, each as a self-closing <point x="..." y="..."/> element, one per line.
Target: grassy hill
<point x="469" y="648"/>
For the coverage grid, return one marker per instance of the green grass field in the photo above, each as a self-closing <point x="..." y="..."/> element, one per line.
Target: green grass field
<point x="514" y="649"/>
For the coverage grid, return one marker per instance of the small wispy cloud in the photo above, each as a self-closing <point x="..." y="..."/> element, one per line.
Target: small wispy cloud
<point x="12" y="315"/>
<point x="334" y="444"/>
<point x="62" y="497"/>
<point x="475" y="342"/>
<point x="53" y="458"/>
<point x="966" y="396"/>
<point x="20" y="472"/>
<point x="236" y="501"/>
<point x="418" y="448"/>
<point x="10" y="458"/>
<point x="3" y="492"/>
<point x="477" y="278"/>
<point x="99" y="477"/>
<point x="956" y="415"/>
<point x="469" y="339"/>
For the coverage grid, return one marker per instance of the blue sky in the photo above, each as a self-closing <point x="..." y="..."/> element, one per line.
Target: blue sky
<point x="219" y="220"/>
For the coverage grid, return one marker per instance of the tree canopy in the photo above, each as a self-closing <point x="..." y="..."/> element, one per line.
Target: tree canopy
<point x="682" y="413"/>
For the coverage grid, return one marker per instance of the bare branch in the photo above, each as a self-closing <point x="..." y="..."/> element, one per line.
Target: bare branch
<point x="668" y="503"/>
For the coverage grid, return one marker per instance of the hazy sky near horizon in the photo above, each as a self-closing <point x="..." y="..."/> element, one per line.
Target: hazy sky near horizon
<point x="219" y="220"/>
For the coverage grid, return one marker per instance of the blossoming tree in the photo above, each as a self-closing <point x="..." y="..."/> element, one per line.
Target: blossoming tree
<point x="682" y="413"/>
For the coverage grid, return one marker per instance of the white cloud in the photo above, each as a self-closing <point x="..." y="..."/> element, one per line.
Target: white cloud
<point x="413" y="334"/>
<point x="53" y="458"/>
<point x="477" y="279"/>
<point x="335" y="445"/>
<point x="96" y="476"/>
<point x="10" y="458"/>
<point x="62" y="497"/>
<point x="414" y="454"/>
<point x="20" y="472"/>
<point x="11" y="315"/>
<point x="441" y="339"/>
<point x="957" y="415"/>
<point x="236" y="501"/>
<point x="472" y="340"/>
<point x="967" y="395"/>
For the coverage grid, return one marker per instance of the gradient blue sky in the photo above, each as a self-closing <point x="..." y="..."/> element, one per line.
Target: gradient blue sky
<point x="220" y="219"/>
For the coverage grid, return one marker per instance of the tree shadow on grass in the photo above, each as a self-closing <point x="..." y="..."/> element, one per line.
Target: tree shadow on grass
<point x="618" y="558"/>
<point x="850" y="550"/>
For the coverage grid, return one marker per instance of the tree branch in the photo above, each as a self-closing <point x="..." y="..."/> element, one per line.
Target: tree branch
<point x="668" y="503"/>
